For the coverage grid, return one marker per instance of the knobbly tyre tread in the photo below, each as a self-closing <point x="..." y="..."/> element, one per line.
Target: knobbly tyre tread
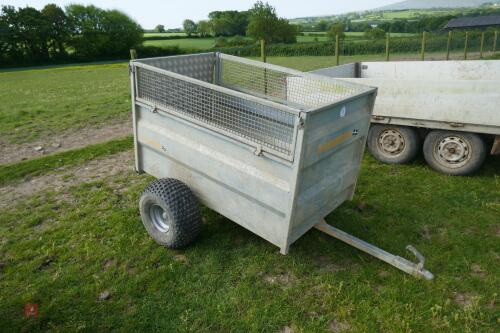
<point x="182" y="205"/>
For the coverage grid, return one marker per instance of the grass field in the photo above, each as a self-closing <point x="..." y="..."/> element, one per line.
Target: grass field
<point x="184" y="43"/>
<point x="63" y="247"/>
<point x="38" y="103"/>
<point x="164" y="34"/>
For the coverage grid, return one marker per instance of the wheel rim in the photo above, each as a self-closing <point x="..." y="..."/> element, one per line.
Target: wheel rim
<point x="160" y="218"/>
<point x="453" y="152"/>
<point x="391" y="142"/>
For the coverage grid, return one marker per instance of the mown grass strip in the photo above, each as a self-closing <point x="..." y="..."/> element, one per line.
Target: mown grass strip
<point x="47" y="164"/>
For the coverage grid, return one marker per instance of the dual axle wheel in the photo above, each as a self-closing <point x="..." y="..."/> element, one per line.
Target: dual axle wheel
<point x="452" y="153"/>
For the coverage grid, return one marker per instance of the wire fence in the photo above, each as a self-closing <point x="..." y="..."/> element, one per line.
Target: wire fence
<point x="456" y="45"/>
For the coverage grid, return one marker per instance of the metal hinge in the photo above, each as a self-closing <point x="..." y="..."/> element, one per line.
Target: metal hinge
<point x="301" y="122"/>
<point x="130" y="69"/>
<point x="258" y="150"/>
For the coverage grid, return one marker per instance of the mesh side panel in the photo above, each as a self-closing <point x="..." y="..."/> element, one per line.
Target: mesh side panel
<point x="282" y="86"/>
<point x="254" y="122"/>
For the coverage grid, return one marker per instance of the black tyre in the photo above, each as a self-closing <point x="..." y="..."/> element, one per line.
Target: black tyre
<point x="170" y="213"/>
<point x="393" y="144"/>
<point x="454" y="153"/>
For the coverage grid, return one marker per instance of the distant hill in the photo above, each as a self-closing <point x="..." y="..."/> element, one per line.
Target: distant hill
<point x="428" y="4"/>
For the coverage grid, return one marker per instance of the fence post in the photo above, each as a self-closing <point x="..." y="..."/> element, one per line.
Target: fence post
<point x="448" y="45"/>
<point x="337" y="50"/>
<point x="387" y="46"/>
<point x="466" y="44"/>
<point x="263" y="55"/>
<point x="133" y="54"/>
<point x="495" y="42"/>
<point x="424" y="37"/>
<point x="482" y="46"/>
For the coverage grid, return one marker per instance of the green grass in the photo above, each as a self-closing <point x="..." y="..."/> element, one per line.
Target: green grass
<point x="164" y="34"/>
<point x="48" y="164"/>
<point x="308" y="63"/>
<point x="75" y="245"/>
<point x="184" y="43"/>
<point x="415" y="13"/>
<point x="309" y="39"/>
<point x="38" y="103"/>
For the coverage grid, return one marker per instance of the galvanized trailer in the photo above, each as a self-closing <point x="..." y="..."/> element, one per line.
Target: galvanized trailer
<point x="453" y="107"/>
<point x="273" y="149"/>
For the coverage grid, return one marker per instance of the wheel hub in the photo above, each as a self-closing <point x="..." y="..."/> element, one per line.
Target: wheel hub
<point x="160" y="218"/>
<point x="391" y="142"/>
<point x="453" y="151"/>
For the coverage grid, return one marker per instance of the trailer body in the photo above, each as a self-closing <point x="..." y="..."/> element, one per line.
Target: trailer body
<point x="452" y="96"/>
<point x="254" y="142"/>
<point x="272" y="149"/>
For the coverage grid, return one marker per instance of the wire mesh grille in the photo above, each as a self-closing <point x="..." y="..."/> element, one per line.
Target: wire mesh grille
<point x="301" y="91"/>
<point x="252" y="121"/>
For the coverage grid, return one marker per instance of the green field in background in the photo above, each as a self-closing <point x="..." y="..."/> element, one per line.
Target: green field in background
<point x="184" y="43"/>
<point x="39" y="102"/>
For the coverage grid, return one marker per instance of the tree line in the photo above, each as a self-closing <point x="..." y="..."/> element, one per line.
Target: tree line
<point x="76" y="33"/>
<point x="259" y="22"/>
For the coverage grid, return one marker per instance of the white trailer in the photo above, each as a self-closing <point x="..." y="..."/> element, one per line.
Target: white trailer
<point x="450" y="109"/>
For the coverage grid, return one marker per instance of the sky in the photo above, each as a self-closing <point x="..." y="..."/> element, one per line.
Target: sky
<point x="171" y="13"/>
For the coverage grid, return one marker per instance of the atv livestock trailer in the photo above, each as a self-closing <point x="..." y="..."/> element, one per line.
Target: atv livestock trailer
<point x="452" y="107"/>
<point x="272" y="149"/>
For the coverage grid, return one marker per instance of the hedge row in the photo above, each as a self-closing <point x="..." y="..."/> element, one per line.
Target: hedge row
<point x="142" y="52"/>
<point x="171" y="37"/>
<point x="434" y="43"/>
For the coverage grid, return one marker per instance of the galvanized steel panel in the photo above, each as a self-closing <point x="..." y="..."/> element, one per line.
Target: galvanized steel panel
<point x="453" y="95"/>
<point x="246" y="142"/>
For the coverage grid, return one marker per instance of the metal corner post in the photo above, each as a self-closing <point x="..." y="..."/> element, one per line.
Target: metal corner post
<point x="133" y="94"/>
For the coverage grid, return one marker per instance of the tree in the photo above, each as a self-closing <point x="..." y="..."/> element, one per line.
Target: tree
<point x="375" y="33"/>
<point x="10" y="47"/>
<point x="189" y="27"/>
<point x="59" y="32"/>
<point x="160" y="28"/>
<point x="265" y="24"/>
<point x="336" y="29"/>
<point x="122" y="33"/>
<point x="98" y="32"/>
<point x="229" y="22"/>
<point x="322" y="25"/>
<point x="31" y="30"/>
<point x="285" y="32"/>
<point x="204" y="28"/>
<point x="88" y="35"/>
<point x="262" y="21"/>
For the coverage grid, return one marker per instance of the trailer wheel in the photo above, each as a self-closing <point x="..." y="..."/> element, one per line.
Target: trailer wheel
<point x="393" y="144"/>
<point x="454" y="153"/>
<point x="170" y="213"/>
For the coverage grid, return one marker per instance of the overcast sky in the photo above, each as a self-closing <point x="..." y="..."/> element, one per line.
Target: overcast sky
<point x="171" y="13"/>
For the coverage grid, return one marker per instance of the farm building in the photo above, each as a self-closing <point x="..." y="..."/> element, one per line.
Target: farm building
<point x="479" y="22"/>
